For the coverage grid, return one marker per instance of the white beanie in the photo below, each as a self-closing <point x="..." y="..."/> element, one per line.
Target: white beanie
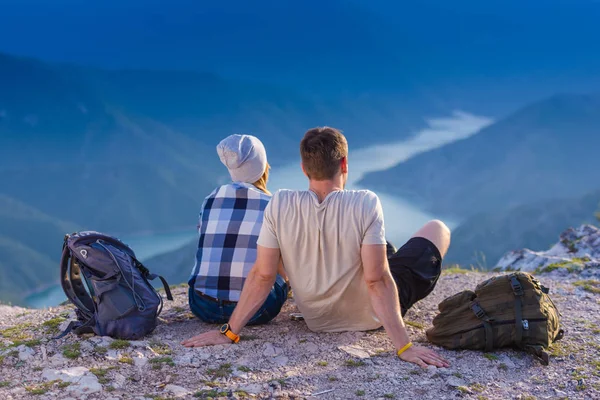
<point x="244" y="156"/>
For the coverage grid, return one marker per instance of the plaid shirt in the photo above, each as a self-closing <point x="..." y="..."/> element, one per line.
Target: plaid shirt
<point x="230" y="222"/>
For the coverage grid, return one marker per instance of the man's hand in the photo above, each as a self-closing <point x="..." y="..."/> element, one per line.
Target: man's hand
<point x="423" y="357"/>
<point x="209" y="338"/>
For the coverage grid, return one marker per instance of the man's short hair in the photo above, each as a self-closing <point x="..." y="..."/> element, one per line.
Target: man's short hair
<point x="322" y="149"/>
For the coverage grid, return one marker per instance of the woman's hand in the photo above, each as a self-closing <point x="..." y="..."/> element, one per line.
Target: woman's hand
<point x="423" y="357"/>
<point x="209" y="338"/>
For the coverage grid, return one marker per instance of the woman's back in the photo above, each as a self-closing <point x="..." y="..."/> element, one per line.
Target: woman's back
<point x="230" y="222"/>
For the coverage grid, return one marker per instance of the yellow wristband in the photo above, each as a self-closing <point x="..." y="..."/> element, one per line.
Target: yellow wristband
<point x="406" y="347"/>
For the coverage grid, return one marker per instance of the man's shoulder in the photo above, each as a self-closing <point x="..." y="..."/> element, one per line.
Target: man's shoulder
<point x="363" y="196"/>
<point x="289" y="194"/>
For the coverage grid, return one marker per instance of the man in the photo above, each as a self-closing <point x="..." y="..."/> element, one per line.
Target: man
<point x="332" y="244"/>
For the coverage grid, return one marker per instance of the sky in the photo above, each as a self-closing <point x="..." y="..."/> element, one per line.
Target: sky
<point x="472" y="49"/>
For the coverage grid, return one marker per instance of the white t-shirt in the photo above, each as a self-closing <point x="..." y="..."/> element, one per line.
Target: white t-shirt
<point x="320" y="245"/>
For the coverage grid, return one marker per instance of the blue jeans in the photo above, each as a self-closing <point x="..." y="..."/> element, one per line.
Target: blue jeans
<point x="218" y="312"/>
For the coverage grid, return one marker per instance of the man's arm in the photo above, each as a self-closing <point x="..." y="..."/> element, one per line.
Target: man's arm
<point x="257" y="287"/>
<point x="386" y="304"/>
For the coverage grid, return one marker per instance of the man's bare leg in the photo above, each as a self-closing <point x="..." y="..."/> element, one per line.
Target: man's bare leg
<point x="437" y="233"/>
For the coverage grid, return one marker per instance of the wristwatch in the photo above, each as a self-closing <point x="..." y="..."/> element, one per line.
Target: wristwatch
<point x="226" y="330"/>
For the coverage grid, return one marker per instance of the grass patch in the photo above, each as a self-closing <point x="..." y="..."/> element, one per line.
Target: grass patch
<point x="52" y="324"/>
<point x="101" y="374"/>
<point x="209" y="394"/>
<point x="354" y="363"/>
<point x="490" y="356"/>
<point x="4" y="384"/>
<point x="160" y="348"/>
<point x="223" y="371"/>
<point x="159" y="361"/>
<point x="322" y="363"/>
<point x="457" y="374"/>
<point x="119" y="344"/>
<point x="456" y="269"/>
<point x="332" y="378"/>
<point x="414" y="324"/>
<point x="463" y="389"/>
<point x="589" y="285"/>
<point x="41" y="388"/>
<point x="389" y="396"/>
<point x="28" y="343"/>
<point x="477" y="387"/>
<point x="573" y="265"/>
<point x="242" y="394"/>
<point x="72" y="351"/>
<point x="360" y="393"/>
<point x="503" y="367"/>
<point x="100" y="349"/>
<point x="126" y="359"/>
<point x="17" y="332"/>
<point x="110" y="389"/>
<point x="243" y="368"/>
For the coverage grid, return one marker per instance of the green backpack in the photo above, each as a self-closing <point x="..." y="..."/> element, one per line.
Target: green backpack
<point x="505" y="311"/>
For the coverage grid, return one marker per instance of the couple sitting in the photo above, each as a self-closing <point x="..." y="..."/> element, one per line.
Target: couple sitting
<point x="330" y="242"/>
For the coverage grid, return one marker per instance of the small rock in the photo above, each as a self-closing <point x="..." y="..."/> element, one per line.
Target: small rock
<point x="271" y="351"/>
<point x="310" y="347"/>
<point x="239" y="374"/>
<point x="252" y="388"/>
<point x="455" y="382"/>
<point x="355" y="351"/>
<point x="25" y="353"/>
<point x="178" y="391"/>
<point x="281" y="360"/>
<point x="86" y="346"/>
<point x="81" y="379"/>
<point x="560" y="393"/>
<point x="57" y="359"/>
<point x="431" y="370"/>
<point x="202" y="354"/>
<point x="140" y="360"/>
<point x="184" y="360"/>
<point x="119" y="380"/>
<point x="138" y="343"/>
<point x="103" y="341"/>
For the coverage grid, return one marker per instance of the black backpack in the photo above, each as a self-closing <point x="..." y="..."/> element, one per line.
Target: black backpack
<point x="109" y="286"/>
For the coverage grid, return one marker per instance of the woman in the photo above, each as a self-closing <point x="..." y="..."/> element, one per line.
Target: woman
<point x="230" y="222"/>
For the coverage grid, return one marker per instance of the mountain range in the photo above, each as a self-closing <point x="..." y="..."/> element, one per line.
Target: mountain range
<point x="544" y="151"/>
<point x="127" y="151"/>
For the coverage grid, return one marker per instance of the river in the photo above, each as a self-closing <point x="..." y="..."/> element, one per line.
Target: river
<point x="402" y="218"/>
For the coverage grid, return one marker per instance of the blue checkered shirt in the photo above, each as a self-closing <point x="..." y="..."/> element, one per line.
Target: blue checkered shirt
<point x="230" y="222"/>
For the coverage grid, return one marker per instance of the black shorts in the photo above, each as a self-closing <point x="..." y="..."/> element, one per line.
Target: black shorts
<point x="416" y="268"/>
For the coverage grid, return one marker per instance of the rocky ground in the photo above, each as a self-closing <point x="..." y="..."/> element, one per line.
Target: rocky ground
<point x="285" y="360"/>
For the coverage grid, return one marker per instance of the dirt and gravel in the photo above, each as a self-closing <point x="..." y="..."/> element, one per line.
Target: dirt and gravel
<point x="285" y="360"/>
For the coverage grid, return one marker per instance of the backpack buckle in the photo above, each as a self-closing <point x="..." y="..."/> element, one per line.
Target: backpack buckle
<point x="480" y="313"/>
<point x="517" y="288"/>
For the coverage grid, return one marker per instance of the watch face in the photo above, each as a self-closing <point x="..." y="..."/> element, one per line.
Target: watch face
<point x="224" y="328"/>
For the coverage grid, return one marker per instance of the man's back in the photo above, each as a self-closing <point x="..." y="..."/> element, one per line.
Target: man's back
<point x="320" y="245"/>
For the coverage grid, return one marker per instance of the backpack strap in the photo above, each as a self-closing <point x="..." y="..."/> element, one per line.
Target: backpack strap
<point x="146" y="272"/>
<point x="539" y="352"/>
<point x="73" y="287"/>
<point x="165" y="284"/>
<point x="487" y="324"/>
<point x="517" y="289"/>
